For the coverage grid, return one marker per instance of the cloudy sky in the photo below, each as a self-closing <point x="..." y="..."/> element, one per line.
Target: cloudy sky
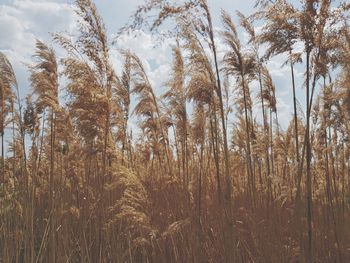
<point x="24" y="21"/>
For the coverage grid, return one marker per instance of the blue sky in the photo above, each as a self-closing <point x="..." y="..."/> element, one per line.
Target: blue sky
<point x="22" y="21"/>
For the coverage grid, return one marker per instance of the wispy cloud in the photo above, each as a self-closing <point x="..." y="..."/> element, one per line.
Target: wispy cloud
<point x="22" y="21"/>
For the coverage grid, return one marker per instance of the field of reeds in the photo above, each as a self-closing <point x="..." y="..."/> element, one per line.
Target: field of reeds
<point x="203" y="180"/>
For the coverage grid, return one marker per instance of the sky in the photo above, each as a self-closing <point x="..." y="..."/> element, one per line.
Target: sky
<point x="24" y="21"/>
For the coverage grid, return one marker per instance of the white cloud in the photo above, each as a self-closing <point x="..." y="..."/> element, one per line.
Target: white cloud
<point x="24" y="21"/>
<point x="148" y="46"/>
<point x="155" y="56"/>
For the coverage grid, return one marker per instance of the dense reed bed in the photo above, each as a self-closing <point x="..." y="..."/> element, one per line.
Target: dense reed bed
<point x="202" y="180"/>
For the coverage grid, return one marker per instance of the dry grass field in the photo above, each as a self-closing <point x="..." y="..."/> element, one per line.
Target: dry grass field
<point x="203" y="180"/>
